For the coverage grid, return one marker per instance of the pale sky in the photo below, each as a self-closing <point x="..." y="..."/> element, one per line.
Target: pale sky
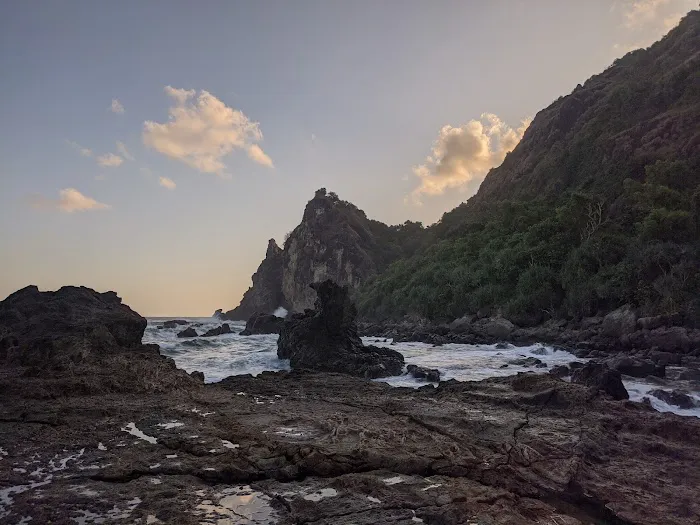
<point x="152" y="148"/>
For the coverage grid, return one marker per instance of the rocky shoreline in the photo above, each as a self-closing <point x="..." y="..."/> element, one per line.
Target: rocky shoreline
<point x="97" y="428"/>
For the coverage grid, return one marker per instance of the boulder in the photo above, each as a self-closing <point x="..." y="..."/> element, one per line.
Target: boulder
<point x="174" y="323"/>
<point x="675" y="397"/>
<point x="326" y="339"/>
<point x="630" y="366"/>
<point x="219" y="314"/>
<point x="560" y="371"/>
<point x="219" y="330"/>
<point x="619" y="322"/>
<point x="188" y="332"/>
<point x="431" y="375"/>
<point x="260" y="323"/>
<point x="599" y="376"/>
<point x="527" y="361"/>
<point x="670" y="339"/>
<point x="38" y="328"/>
<point x="690" y="374"/>
<point x="494" y="327"/>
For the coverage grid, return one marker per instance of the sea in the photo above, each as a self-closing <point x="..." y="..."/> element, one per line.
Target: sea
<point x="232" y="354"/>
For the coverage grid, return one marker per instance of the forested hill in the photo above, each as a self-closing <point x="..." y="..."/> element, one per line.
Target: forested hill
<point x="598" y="206"/>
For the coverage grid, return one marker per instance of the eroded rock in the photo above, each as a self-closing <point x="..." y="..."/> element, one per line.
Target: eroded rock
<point x="260" y="323"/>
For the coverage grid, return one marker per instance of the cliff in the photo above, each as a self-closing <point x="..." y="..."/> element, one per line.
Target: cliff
<point x="334" y="240"/>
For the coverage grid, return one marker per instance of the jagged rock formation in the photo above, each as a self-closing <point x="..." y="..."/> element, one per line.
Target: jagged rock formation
<point x="335" y="240"/>
<point x="266" y="293"/>
<point x="326" y="339"/>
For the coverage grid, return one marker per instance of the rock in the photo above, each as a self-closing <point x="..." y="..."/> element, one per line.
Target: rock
<point x="590" y="322"/>
<point x="526" y="361"/>
<point x="576" y="364"/>
<point x="619" y="322"/>
<point x="174" y="323"/>
<point x="326" y="339"/>
<point x="219" y="330"/>
<point x="188" y="332"/>
<point x="650" y="323"/>
<point x="260" y="323"/>
<point x="72" y="323"/>
<point x="675" y="397"/>
<point x="502" y="346"/>
<point x="431" y="375"/>
<point x="665" y="358"/>
<point x="600" y="377"/>
<point x="560" y="371"/>
<point x="199" y="376"/>
<point x="540" y="350"/>
<point x="670" y="339"/>
<point x="461" y="324"/>
<point x="635" y="367"/>
<point x="219" y="314"/>
<point x="494" y="327"/>
<point x="690" y="374"/>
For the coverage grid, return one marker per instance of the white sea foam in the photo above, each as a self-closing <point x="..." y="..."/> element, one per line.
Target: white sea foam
<point x="321" y="494"/>
<point x="171" y="424"/>
<point x="134" y="431"/>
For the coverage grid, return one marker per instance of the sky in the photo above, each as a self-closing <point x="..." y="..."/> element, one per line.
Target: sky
<point x="152" y="148"/>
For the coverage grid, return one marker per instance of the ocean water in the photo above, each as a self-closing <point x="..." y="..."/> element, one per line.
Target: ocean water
<point x="232" y="354"/>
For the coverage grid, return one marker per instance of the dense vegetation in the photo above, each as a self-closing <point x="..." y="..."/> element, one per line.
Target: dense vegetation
<point x="571" y="256"/>
<point x="596" y="207"/>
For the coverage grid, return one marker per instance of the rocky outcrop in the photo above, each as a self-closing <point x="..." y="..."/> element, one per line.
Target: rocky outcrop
<point x="431" y="375"/>
<point x="188" y="332"/>
<point x="260" y="323"/>
<point x="73" y="323"/>
<point x="635" y="367"/>
<point x="219" y="330"/>
<point x="675" y="397"/>
<point x="266" y="293"/>
<point x="599" y="377"/>
<point x="174" y="323"/>
<point x="334" y="240"/>
<point x="326" y="339"/>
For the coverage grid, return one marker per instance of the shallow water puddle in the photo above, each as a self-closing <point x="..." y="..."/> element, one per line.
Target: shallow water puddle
<point x="115" y="513"/>
<point x="237" y="506"/>
<point x="321" y="494"/>
<point x="134" y="431"/>
<point x="171" y="424"/>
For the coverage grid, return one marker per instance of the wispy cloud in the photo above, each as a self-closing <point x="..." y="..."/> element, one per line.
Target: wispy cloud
<point x="462" y="156"/>
<point x="116" y="107"/>
<point x="69" y="200"/>
<point x="643" y="22"/>
<point x="85" y="152"/>
<point x="202" y="130"/>
<point x="109" y="160"/>
<point x="121" y="148"/>
<point x="167" y="183"/>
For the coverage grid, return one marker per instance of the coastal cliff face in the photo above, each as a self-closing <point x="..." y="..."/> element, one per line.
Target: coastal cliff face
<point x="266" y="293"/>
<point x="334" y="240"/>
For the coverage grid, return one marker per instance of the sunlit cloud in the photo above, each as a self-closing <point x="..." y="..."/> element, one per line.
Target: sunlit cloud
<point x="202" y="130"/>
<point x="109" y="160"/>
<point x="85" y="152"/>
<point x="121" y="148"/>
<point x="646" y="21"/>
<point x="462" y="156"/>
<point x="70" y="200"/>
<point x="167" y="183"/>
<point x="117" y="106"/>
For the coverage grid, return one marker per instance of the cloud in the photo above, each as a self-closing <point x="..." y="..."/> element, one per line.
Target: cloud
<point x="117" y="106"/>
<point x="70" y="200"/>
<point x="85" y="152"/>
<point x="109" y="160"/>
<point x="463" y="155"/>
<point x="646" y="21"/>
<point x="638" y="13"/>
<point x="121" y="148"/>
<point x="202" y="130"/>
<point x="167" y="183"/>
<point x="256" y="154"/>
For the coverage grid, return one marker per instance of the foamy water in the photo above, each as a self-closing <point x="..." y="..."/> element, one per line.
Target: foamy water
<point x="232" y="354"/>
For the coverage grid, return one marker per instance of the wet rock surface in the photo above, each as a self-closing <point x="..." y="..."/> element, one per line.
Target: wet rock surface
<point x="188" y="332"/>
<point x="326" y="339"/>
<point x="599" y="377"/>
<point x="675" y="397"/>
<point x="431" y="375"/>
<point x="260" y="323"/>
<point x="219" y="330"/>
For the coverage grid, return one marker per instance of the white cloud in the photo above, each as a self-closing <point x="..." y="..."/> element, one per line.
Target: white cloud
<point x="85" y="152"/>
<point x="70" y="200"/>
<point x="109" y="160"/>
<point x="117" y="106"/>
<point x="202" y="130"/>
<point x="256" y="154"/>
<point x="638" y="13"/>
<point x="167" y="183"/>
<point x="646" y="21"/>
<point x="463" y="155"/>
<point x="121" y="148"/>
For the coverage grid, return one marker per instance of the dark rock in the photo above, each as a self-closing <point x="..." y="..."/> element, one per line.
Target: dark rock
<point x="219" y="330"/>
<point x="199" y="376"/>
<point x="174" y="323"/>
<point x="219" y="314"/>
<point x="431" y="375"/>
<point x="576" y="364"/>
<point x="630" y="366"/>
<point x="600" y="377"/>
<point x="502" y="346"/>
<point x="188" y="332"/>
<point x="493" y="327"/>
<point x="326" y="338"/>
<point x="526" y="361"/>
<point x="260" y="323"/>
<point x="590" y="322"/>
<point x="40" y="328"/>
<point x="540" y="350"/>
<point x="560" y="371"/>
<point x="675" y="397"/>
<point x="670" y="339"/>
<point x="619" y="322"/>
